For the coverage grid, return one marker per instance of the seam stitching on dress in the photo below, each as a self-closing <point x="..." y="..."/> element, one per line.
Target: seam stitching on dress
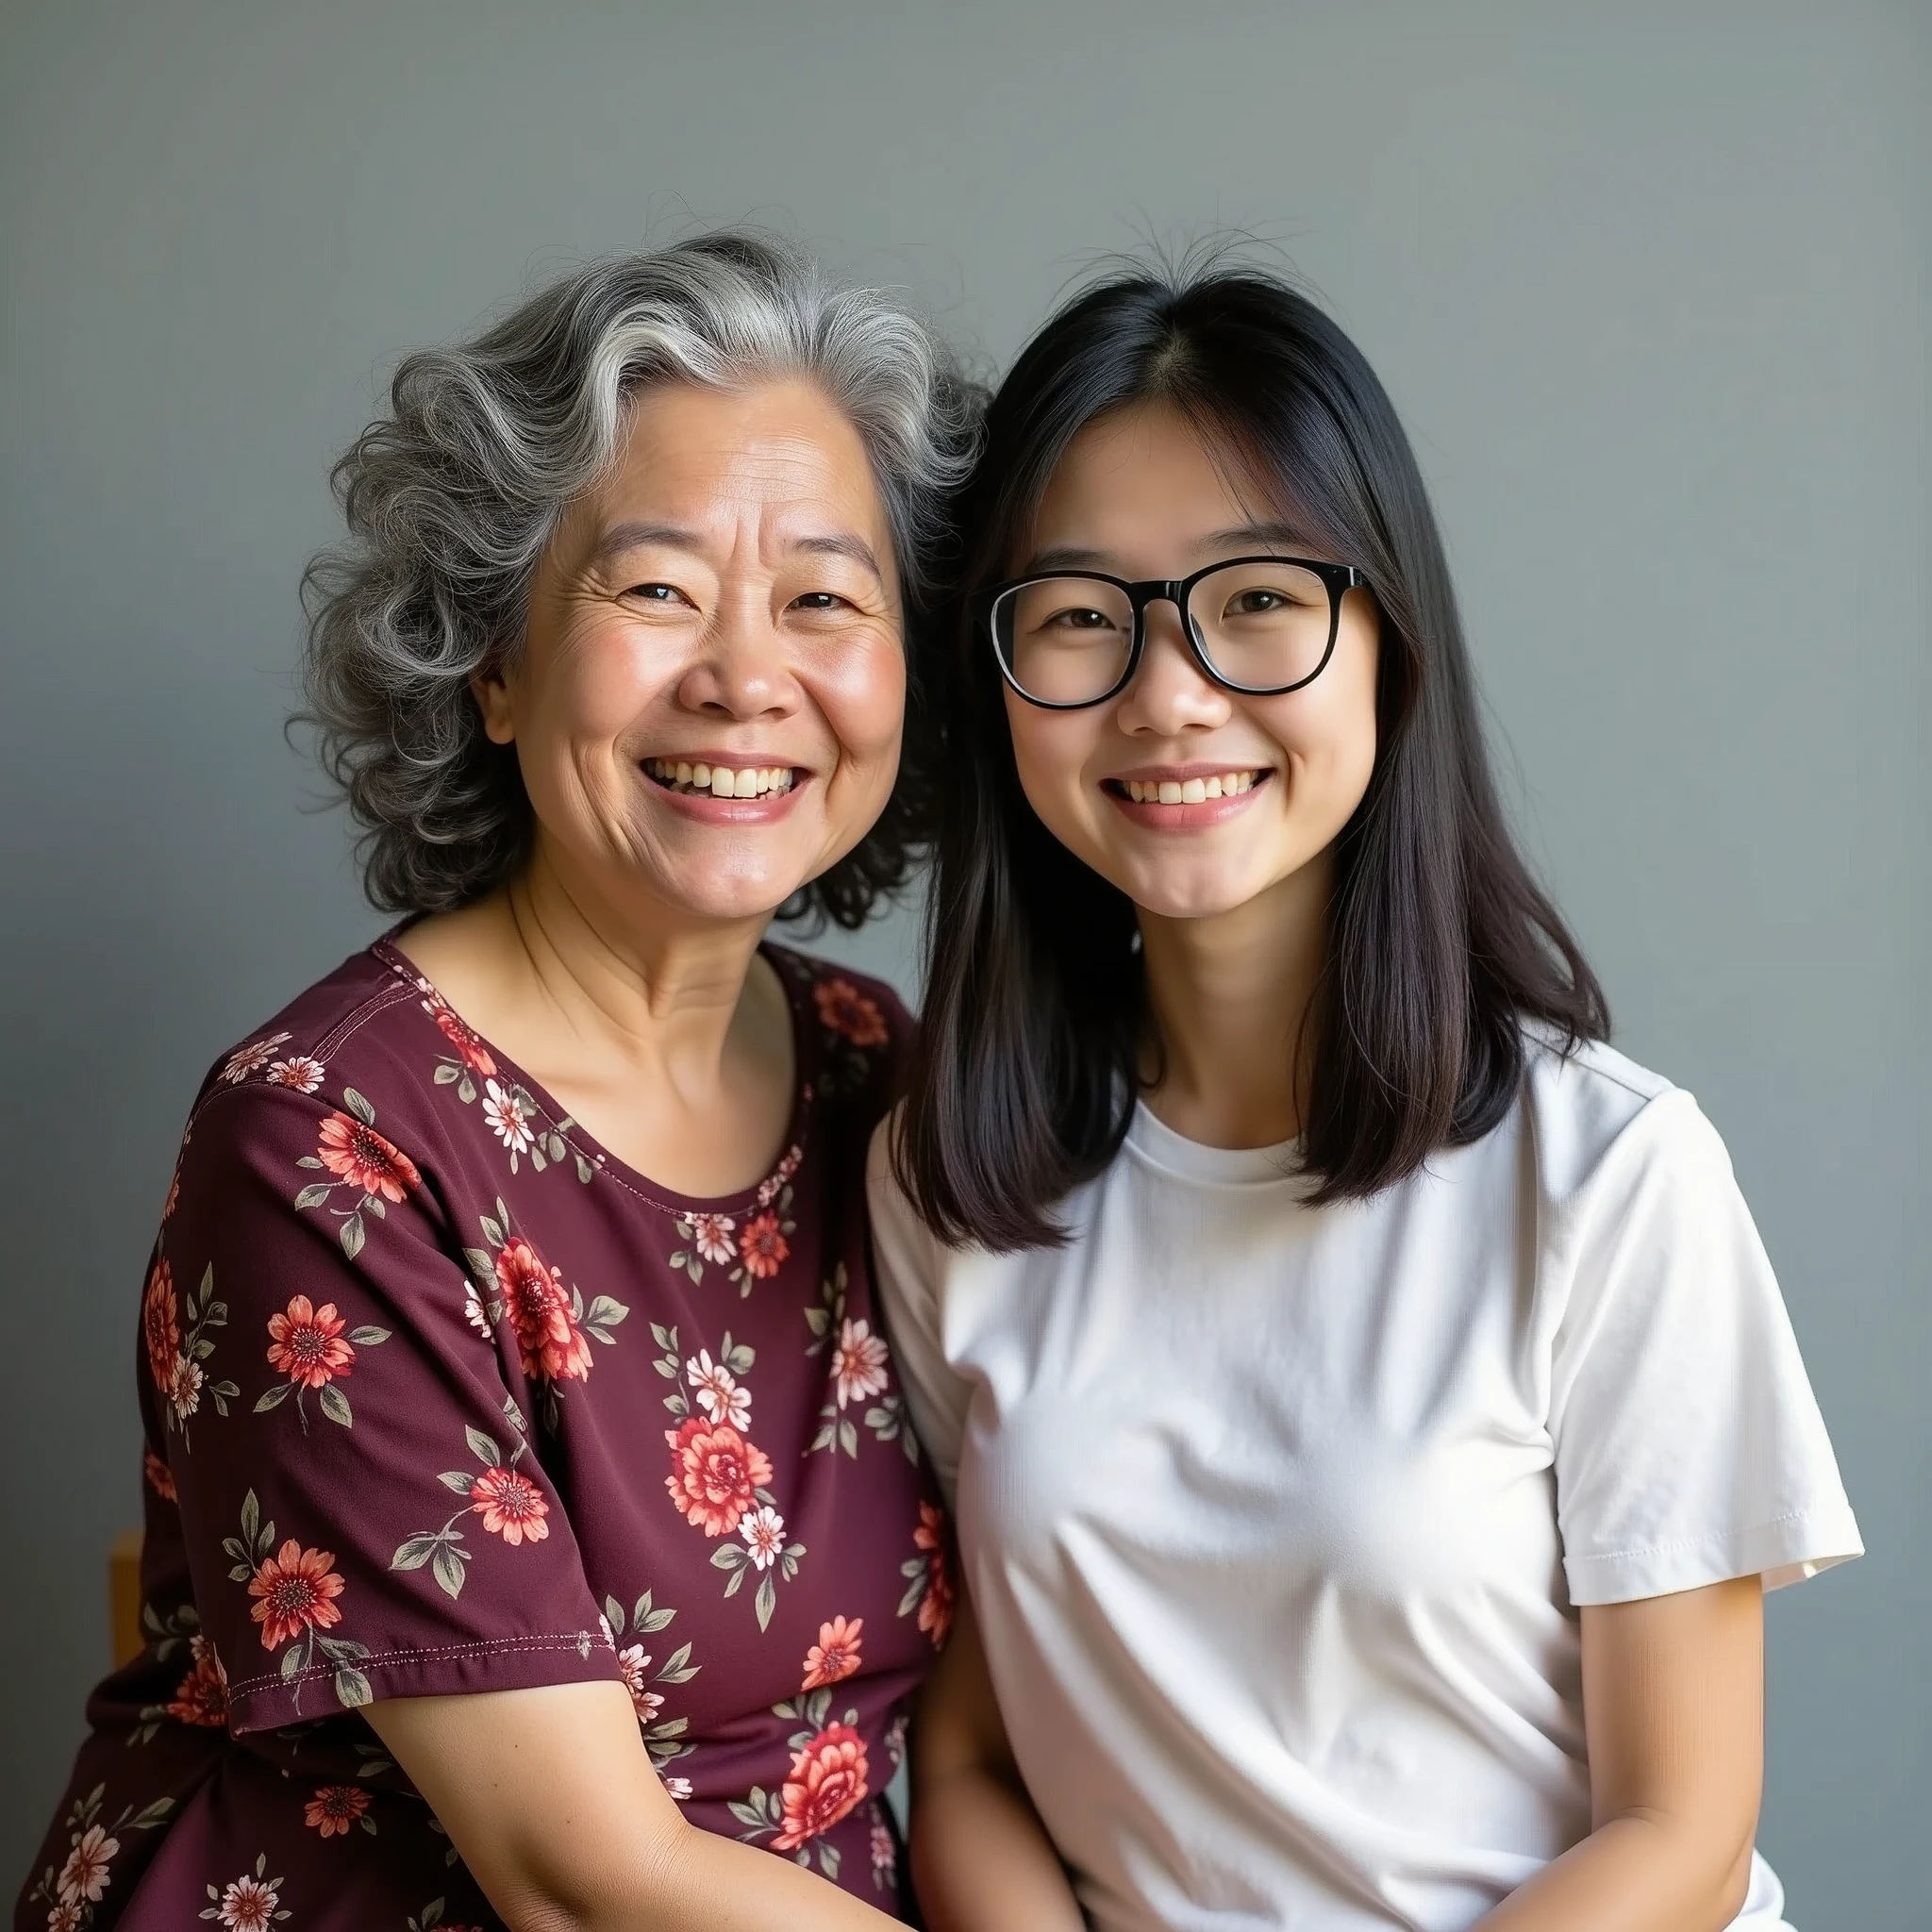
<point x="487" y="1647"/>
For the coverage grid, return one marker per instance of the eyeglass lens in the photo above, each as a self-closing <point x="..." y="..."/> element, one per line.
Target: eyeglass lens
<point x="1067" y="640"/>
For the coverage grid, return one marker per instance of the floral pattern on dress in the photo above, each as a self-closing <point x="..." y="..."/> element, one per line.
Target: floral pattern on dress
<point x="335" y="1807"/>
<point x="75" y="1889"/>
<point x="664" y="1736"/>
<point x="929" y="1589"/>
<point x="365" y="1163"/>
<point x="313" y="1349"/>
<point x="252" y="1902"/>
<point x="333" y="1178"/>
<point x="720" y="1481"/>
<point x="295" y="1591"/>
<point x="553" y="1327"/>
<point x="511" y="1505"/>
<point x="178" y="1345"/>
<point x="825" y="1784"/>
<point x="860" y="1367"/>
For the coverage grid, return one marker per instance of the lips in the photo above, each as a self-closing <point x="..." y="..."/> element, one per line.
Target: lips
<point x="688" y="776"/>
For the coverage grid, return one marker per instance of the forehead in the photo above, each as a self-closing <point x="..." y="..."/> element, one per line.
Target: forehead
<point x="1146" y="470"/>
<point x="695" y="454"/>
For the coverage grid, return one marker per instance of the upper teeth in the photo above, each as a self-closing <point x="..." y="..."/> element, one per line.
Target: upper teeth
<point x="721" y="781"/>
<point x="1189" y="790"/>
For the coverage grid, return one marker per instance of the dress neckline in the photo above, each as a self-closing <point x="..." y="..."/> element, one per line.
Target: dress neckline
<point x="587" y="1147"/>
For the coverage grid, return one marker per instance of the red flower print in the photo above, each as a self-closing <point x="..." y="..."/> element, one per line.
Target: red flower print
<point x="334" y="1808"/>
<point x="202" y="1697"/>
<point x="825" y="1783"/>
<point x="843" y="1009"/>
<point x="763" y="1246"/>
<point x="306" y="1344"/>
<point x="85" y="1874"/>
<point x="553" y="1347"/>
<point x="834" y="1656"/>
<point x="936" y="1606"/>
<point x="512" y="1506"/>
<point x="859" y="1362"/>
<point x="358" y="1155"/>
<point x="173" y="1194"/>
<point x="715" y="1473"/>
<point x="470" y="1049"/>
<point x="160" y="1478"/>
<point x="298" y="1070"/>
<point x="65" y="1916"/>
<point x="160" y="1325"/>
<point x="294" y="1590"/>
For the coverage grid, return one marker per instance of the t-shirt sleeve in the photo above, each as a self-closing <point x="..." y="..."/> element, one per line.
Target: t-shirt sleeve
<point x="1689" y="1446"/>
<point x="365" y="1510"/>
<point x="909" y="1266"/>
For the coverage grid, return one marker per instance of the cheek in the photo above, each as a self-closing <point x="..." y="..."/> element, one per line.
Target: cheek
<point x="860" y="689"/>
<point x="590" y="685"/>
<point x="1051" y="750"/>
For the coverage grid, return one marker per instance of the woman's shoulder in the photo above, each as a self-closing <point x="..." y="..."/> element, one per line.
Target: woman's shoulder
<point x="1595" y="1114"/>
<point x="861" y="1033"/>
<point x="371" y="1036"/>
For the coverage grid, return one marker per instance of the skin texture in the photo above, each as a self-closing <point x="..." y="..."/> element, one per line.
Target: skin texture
<point x="727" y="591"/>
<point x="1232" y="921"/>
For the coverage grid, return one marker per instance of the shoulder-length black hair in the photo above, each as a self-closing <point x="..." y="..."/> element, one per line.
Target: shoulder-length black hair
<point x="1440" y="944"/>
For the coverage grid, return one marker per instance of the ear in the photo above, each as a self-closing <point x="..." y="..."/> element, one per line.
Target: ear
<point x="491" y="693"/>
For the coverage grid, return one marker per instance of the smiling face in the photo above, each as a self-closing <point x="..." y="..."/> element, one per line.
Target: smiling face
<point x="708" y="705"/>
<point x="1193" y="800"/>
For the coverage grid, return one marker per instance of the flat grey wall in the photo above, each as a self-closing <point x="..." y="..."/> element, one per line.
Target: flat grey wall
<point x="1651" y="287"/>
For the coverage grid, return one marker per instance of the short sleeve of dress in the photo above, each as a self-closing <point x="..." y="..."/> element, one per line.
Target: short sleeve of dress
<point x="909" y="1266"/>
<point x="363" y="1512"/>
<point x="1689" y="1446"/>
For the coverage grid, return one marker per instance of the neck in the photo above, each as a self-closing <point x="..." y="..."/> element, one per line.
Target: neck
<point x="577" y="982"/>
<point x="1228" y="998"/>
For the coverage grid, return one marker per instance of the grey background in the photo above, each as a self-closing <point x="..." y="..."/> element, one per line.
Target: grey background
<point x="1650" y="286"/>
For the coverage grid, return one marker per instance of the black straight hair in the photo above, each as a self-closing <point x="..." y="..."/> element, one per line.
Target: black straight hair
<point x="1440" y="944"/>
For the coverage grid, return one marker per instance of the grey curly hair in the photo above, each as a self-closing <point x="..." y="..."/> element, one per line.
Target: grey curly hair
<point x="453" y="497"/>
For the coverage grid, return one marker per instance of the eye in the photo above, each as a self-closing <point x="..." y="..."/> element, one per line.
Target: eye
<point x="658" y="594"/>
<point x="820" y="600"/>
<point x="1254" y="603"/>
<point x="1080" y="620"/>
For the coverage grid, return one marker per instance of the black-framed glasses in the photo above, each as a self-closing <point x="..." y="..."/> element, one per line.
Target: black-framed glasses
<point x="1257" y="625"/>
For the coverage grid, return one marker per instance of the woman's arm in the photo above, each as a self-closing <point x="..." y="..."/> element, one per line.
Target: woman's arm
<point x="550" y="1797"/>
<point x="980" y="1857"/>
<point x="1674" y="1711"/>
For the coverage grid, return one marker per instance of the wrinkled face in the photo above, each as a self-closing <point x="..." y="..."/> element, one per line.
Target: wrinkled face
<point x="709" y="702"/>
<point x="1254" y="789"/>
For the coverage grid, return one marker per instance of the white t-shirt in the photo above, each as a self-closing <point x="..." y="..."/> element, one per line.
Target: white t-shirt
<point x="1276" y="1518"/>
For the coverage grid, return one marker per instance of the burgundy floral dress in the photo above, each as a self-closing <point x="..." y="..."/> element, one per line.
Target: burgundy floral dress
<point x="441" y="1397"/>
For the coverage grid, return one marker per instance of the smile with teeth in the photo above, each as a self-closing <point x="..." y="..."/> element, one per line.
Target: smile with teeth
<point x="1189" y="790"/>
<point x="721" y="781"/>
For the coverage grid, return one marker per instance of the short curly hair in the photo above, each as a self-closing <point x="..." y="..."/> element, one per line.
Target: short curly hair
<point x="452" y="498"/>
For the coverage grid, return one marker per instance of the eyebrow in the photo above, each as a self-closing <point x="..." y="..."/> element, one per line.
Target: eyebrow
<point x="1267" y="536"/>
<point x="620" y="537"/>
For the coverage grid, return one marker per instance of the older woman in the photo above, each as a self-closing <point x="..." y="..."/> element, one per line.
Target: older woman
<point x="533" y="1531"/>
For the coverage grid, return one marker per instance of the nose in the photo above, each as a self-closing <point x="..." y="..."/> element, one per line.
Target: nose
<point x="1170" y="694"/>
<point x="741" y="670"/>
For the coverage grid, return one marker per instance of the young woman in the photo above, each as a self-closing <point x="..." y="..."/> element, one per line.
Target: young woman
<point x="1372" y="1417"/>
